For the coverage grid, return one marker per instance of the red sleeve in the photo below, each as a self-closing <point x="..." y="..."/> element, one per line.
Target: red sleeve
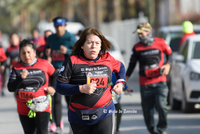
<point x="42" y="41"/>
<point x="2" y="55"/>
<point x="166" y="48"/>
<point x="51" y="68"/>
<point x="116" y="64"/>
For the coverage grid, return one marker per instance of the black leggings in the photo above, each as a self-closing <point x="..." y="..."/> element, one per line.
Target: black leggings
<point x="105" y="126"/>
<point x="56" y="104"/>
<point x="39" y="124"/>
<point x="56" y="109"/>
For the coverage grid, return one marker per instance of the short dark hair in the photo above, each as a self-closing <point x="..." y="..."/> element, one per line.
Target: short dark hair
<point x="105" y="44"/>
<point x="26" y="42"/>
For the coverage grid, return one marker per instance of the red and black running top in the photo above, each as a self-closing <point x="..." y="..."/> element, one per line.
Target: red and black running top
<point x="151" y="59"/>
<point x="3" y="57"/>
<point x="33" y="85"/>
<point x="13" y="53"/>
<point x="78" y="70"/>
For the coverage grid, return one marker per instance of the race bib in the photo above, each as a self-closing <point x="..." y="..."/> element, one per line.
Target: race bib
<point x="100" y="77"/>
<point x="152" y="72"/>
<point x="57" y="56"/>
<point x="26" y="94"/>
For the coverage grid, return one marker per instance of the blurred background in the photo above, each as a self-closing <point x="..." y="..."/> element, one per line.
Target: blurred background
<point x="115" y="18"/>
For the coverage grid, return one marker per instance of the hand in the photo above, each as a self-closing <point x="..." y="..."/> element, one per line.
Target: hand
<point x="48" y="51"/>
<point x="118" y="88"/>
<point x="63" y="49"/>
<point x="129" y="90"/>
<point x="50" y="90"/>
<point x="166" y="68"/>
<point x="127" y="78"/>
<point x="24" y="74"/>
<point x="88" y="88"/>
<point x="49" y="59"/>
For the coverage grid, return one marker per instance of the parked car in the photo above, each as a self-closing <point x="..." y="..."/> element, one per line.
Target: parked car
<point x="115" y="52"/>
<point x="173" y="35"/>
<point x="185" y="76"/>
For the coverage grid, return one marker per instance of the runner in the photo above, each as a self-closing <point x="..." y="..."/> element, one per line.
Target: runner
<point x="86" y="77"/>
<point x="30" y="78"/>
<point x="3" y="59"/>
<point x="38" y="41"/>
<point x="60" y="44"/>
<point x="13" y="50"/>
<point x="152" y="74"/>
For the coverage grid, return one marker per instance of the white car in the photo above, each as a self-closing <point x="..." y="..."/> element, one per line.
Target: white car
<point x="185" y="76"/>
<point x="115" y="52"/>
<point x="172" y="35"/>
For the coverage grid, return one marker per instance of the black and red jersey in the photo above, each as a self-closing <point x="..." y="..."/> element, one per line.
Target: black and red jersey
<point x="77" y="70"/>
<point x="33" y="85"/>
<point x="151" y="59"/>
<point x="13" y="53"/>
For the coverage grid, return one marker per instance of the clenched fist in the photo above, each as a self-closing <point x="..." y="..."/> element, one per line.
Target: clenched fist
<point x="63" y="49"/>
<point x="88" y="88"/>
<point x="24" y="74"/>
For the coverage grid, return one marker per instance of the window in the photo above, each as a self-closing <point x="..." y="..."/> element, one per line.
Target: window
<point x="196" y="50"/>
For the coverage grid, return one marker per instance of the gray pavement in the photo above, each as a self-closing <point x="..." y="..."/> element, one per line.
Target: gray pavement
<point x="132" y="118"/>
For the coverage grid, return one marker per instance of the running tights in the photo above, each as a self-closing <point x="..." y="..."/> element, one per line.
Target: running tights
<point x="39" y="124"/>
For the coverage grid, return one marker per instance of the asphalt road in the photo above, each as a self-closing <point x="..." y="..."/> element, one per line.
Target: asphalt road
<point x="132" y="118"/>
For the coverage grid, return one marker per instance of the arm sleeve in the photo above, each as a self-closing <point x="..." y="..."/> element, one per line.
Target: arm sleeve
<point x="169" y="58"/>
<point x="54" y="75"/>
<point x="47" y="43"/>
<point x="121" y="78"/>
<point x="132" y="63"/>
<point x="166" y="48"/>
<point x="121" y="73"/>
<point x="62" y="86"/>
<point x="67" y="89"/>
<point x="14" y="81"/>
<point x="51" y="69"/>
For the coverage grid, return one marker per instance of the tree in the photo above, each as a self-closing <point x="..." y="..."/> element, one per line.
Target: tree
<point x="126" y="6"/>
